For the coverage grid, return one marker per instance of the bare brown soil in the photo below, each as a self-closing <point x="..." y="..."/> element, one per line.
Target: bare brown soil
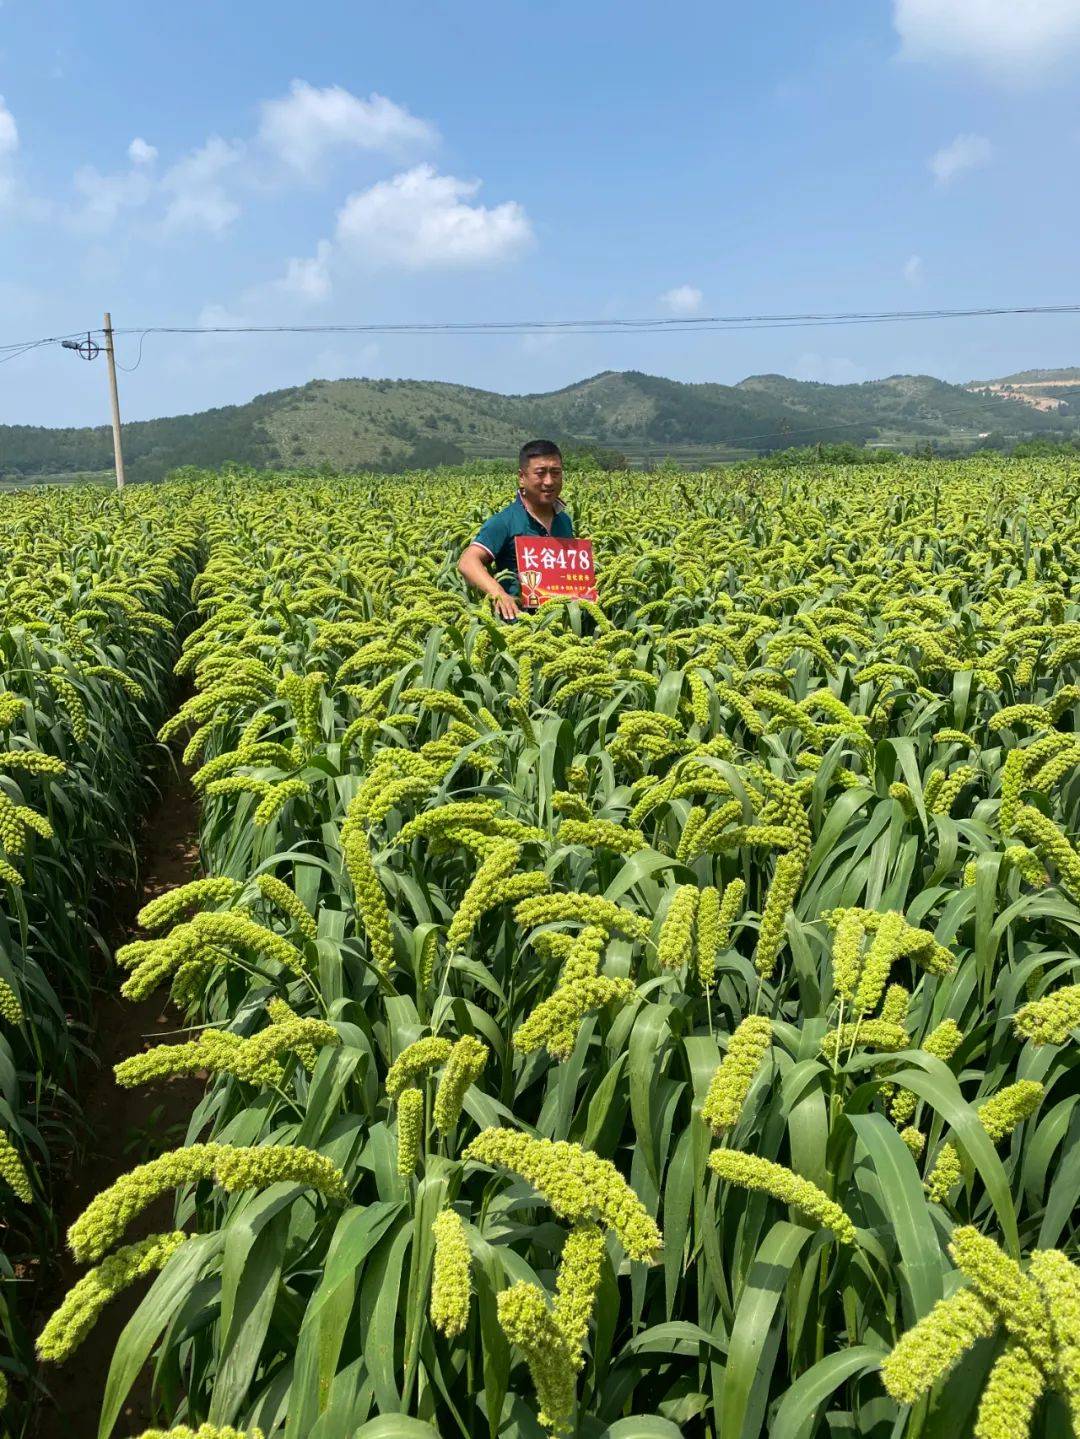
<point x="1035" y="394"/>
<point x="127" y="1127"/>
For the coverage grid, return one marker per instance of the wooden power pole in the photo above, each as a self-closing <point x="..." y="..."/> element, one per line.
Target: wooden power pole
<point x="118" y="451"/>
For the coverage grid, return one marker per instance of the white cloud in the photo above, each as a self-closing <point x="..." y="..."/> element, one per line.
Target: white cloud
<point x="1014" y="41"/>
<point x="104" y="197"/>
<point x="966" y="152"/>
<point x="213" y="316"/>
<point x="308" y="122"/>
<point x="542" y="343"/>
<point x="140" y="152"/>
<point x="682" y="300"/>
<point x="198" y="197"/>
<point x="9" y="143"/>
<point x="309" y="279"/>
<point x="9" y="131"/>
<point x="913" y="271"/>
<point x="420" y="219"/>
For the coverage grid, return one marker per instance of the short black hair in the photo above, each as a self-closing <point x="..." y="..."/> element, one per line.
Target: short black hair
<point x="535" y="449"/>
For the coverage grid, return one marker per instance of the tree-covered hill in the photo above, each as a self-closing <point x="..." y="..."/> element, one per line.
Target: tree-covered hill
<point x="396" y="424"/>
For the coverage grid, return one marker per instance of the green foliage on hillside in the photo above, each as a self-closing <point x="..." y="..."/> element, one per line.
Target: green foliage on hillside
<point x="393" y="425"/>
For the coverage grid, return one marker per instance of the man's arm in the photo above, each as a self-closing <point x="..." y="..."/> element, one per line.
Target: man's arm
<point x="473" y="565"/>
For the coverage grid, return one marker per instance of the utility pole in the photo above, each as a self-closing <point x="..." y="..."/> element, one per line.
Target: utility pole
<point x="118" y="452"/>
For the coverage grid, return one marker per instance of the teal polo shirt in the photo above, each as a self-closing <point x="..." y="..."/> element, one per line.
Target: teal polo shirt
<point x="497" y="535"/>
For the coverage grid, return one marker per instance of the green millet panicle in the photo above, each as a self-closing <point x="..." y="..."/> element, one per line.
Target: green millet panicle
<point x="932" y="787"/>
<point x="752" y="1172"/>
<point x="235" y="930"/>
<point x="779" y="899"/>
<point x="1051" y="1019"/>
<point x="69" y="699"/>
<point x="942" y="1043"/>
<point x="1003" y="1111"/>
<point x="451" y="1282"/>
<point x="256" y="1057"/>
<point x="264" y="754"/>
<point x="1027" y="864"/>
<point x="276" y="798"/>
<point x="481" y="893"/>
<point x="527" y="1322"/>
<point x="954" y="736"/>
<point x="278" y="893"/>
<point x="370" y="900"/>
<point x="163" y="1061"/>
<point x="1012" y="1296"/>
<point x="731" y="1083"/>
<point x="949" y="790"/>
<point x="688" y="849"/>
<point x="9" y="874"/>
<point x="576" y="1286"/>
<point x="104" y="1220"/>
<point x="414" y="1059"/>
<point x="880" y="1034"/>
<point x="1033" y="716"/>
<point x="674" y="946"/>
<point x="904" y="798"/>
<point x="945" y="1175"/>
<point x="12" y="1170"/>
<point x="914" y="1139"/>
<point x="11" y="707"/>
<point x="589" y="909"/>
<point x="10" y="1008"/>
<point x="410" y="1111"/>
<point x="478" y="812"/>
<point x="464" y="1066"/>
<point x="555" y="1022"/>
<point x="32" y="761"/>
<point x="279" y="1012"/>
<point x="1013" y="1388"/>
<point x="1059" y="1283"/>
<point x="894" y="1007"/>
<point x="847" y="953"/>
<point x="707" y="937"/>
<point x="928" y="1351"/>
<point x="577" y="1184"/>
<point x="426" y="966"/>
<point x="577" y="777"/>
<point x="204" y="1431"/>
<point x="1052" y="847"/>
<point x="69" y="1325"/>
<point x="600" y="834"/>
<point x="167" y="908"/>
<point x="885" y="948"/>
<point x="570" y="805"/>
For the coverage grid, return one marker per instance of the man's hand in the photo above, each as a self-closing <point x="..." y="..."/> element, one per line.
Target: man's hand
<point x="474" y="566"/>
<point x="505" y="606"/>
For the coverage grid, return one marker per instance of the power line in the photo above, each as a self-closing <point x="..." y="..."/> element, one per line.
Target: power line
<point x="681" y="324"/>
<point x="664" y="324"/>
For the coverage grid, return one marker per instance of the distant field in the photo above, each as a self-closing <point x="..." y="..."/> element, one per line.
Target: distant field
<point x="83" y="477"/>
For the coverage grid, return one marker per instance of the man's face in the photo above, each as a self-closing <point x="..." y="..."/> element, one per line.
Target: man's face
<point x="541" y="480"/>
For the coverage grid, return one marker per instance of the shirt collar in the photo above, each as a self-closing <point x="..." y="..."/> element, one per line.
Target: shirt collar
<point x="557" y="509"/>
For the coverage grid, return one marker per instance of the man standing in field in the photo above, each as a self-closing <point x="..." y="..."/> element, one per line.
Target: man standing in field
<point x="536" y="510"/>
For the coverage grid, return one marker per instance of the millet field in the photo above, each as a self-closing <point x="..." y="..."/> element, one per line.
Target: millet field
<point x="652" y="1017"/>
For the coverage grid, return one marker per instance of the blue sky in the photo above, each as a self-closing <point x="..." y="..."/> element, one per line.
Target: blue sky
<point x="352" y="162"/>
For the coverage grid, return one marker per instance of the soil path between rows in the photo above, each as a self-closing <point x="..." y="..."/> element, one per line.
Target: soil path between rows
<point x="126" y="1127"/>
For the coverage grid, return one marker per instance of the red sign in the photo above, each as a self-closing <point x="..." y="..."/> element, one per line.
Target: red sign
<point x="551" y="568"/>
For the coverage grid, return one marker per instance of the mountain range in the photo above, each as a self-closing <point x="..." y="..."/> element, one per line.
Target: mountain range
<point x="399" y="424"/>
